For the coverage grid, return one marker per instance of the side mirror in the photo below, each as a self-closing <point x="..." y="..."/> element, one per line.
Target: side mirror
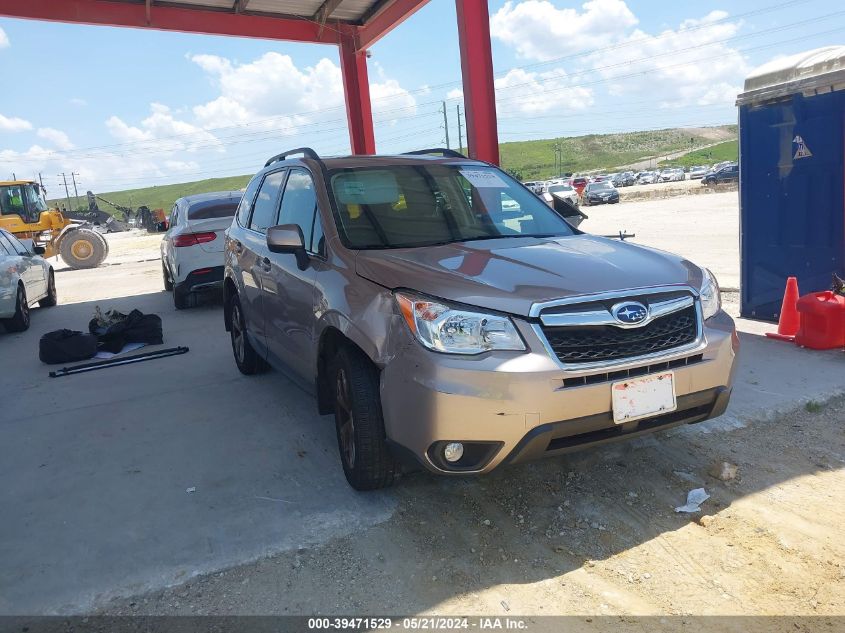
<point x="39" y="250"/>
<point x="288" y="238"/>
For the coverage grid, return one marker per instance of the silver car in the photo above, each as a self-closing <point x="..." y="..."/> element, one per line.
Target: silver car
<point x="451" y="320"/>
<point x="25" y="279"/>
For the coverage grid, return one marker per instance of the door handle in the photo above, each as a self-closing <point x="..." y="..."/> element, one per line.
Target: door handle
<point x="239" y="248"/>
<point x="265" y="265"/>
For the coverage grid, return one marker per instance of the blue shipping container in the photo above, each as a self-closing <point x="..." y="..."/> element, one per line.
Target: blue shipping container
<point x="792" y="178"/>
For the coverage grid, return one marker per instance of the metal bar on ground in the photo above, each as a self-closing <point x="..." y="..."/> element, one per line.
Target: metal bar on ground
<point x="114" y="362"/>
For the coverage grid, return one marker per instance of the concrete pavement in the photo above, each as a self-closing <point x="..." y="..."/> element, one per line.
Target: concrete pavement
<point x="96" y="466"/>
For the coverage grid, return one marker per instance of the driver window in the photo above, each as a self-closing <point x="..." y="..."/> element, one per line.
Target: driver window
<point x="34" y="200"/>
<point x="12" y="201"/>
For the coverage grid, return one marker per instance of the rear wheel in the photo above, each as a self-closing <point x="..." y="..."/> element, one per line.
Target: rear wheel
<point x="20" y="321"/>
<point x="367" y="462"/>
<point x="51" y="299"/>
<point x="246" y="358"/>
<point x="168" y="284"/>
<point x="83" y="248"/>
<point x="183" y="299"/>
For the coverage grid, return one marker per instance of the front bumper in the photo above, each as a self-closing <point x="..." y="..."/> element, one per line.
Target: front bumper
<point x="513" y="407"/>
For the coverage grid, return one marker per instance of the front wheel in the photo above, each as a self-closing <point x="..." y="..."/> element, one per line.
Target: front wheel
<point x="83" y="248"/>
<point x="367" y="462"/>
<point x="20" y="321"/>
<point x="52" y="297"/>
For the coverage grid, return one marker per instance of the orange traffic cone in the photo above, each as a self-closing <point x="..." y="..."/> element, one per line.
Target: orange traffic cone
<point x="789" y="320"/>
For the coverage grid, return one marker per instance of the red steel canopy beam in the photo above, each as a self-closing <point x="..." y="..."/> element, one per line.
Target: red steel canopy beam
<point x="356" y="88"/>
<point x="388" y="18"/>
<point x="168" y="18"/>
<point x="477" y="70"/>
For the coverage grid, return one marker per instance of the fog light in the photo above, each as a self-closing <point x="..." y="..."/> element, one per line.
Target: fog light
<point x="453" y="451"/>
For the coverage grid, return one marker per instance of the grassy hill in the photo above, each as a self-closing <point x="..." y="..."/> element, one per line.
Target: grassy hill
<point x="729" y="150"/>
<point x="528" y="160"/>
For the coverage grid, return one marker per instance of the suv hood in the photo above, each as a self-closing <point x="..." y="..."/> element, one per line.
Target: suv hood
<point x="511" y="274"/>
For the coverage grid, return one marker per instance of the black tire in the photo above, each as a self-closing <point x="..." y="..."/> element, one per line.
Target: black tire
<point x="184" y="299"/>
<point x="52" y="297"/>
<point x="83" y="248"/>
<point x="20" y="321"/>
<point x="105" y="243"/>
<point x="367" y="462"/>
<point x="168" y="284"/>
<point x="246" y="358"/>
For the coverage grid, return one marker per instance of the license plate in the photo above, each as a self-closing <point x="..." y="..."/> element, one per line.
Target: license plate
<point x="643" y="397"/>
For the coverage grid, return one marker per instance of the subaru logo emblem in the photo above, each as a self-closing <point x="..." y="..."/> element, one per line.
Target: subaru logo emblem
<point x="629" y="312"/>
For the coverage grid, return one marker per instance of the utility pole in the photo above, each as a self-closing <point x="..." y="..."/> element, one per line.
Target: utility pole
<point x="558" y="159"/>
<point x="73" y="176"/>
<point x="67" y="192"/>
<point x="446" y="125"/>
<point x="460" y="134"/>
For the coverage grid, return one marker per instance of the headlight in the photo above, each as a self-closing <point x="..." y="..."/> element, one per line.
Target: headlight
<point x="452" y="330"/>
<point x="710" y="295"/>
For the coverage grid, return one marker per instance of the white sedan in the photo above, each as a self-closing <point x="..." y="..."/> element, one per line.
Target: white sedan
<point x="25" y="278"/>
<point x="562" y="192"/>
<point x="192" y="248"/>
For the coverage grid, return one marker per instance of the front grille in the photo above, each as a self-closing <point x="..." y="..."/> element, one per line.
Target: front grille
<point x="622" y="374"/>
<point x="589" y="344"/>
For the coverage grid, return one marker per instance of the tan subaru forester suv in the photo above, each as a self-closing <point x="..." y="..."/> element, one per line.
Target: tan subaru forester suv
<point x="448" y="318"/>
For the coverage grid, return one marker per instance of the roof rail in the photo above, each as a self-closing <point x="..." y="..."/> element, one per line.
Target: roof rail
<point x="446" y="153"/>
<point x="305" y="151"/>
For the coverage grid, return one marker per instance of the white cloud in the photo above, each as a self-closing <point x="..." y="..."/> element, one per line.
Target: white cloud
<point x="164" y="131"/>
<point x="270" y="93"/>
<point x="58" y="138"/>
<point x="77" y="101"/>
<point x="526" y="93"/>
<point x="272" y="86"/>
<point x="4" y="39"/>
<point x="538" y="30"/>
<point x="14" y="124"/>
<point x="690" y="65"/>
<point x="538" y="92"/>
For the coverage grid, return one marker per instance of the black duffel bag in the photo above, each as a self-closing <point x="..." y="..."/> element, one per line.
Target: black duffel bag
<point x="66" y="346"/>
<point x="137" y="327"/>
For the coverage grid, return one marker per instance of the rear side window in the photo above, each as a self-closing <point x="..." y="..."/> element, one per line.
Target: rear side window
<point x="266" y="203"/>
<point x="210" y="210"/>
<point x="245" y="205"/>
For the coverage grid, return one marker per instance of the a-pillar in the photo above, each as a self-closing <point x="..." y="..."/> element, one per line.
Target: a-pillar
<point x="356" y="89"/>
<point x="477" y="69"/>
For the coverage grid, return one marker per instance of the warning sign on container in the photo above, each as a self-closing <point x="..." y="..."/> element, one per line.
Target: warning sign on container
<point x="801" y="151"/>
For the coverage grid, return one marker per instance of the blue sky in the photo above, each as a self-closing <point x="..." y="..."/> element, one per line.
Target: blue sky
<point x="126" y="108"/>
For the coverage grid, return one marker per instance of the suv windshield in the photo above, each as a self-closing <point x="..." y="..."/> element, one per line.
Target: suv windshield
<point x="421" y="205"/>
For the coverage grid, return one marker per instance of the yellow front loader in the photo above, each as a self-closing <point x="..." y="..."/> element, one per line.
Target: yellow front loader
<point x="25" y="214"/>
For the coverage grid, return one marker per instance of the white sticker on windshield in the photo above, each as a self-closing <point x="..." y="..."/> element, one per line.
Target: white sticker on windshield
<point x="353" y="188"/>
<point x="483" y="178"/>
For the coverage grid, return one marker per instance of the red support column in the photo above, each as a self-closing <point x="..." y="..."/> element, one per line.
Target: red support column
<point x="356" y="89"/>
<point x="477" y="70"/>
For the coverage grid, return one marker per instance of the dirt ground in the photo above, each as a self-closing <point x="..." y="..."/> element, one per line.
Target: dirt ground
<point x="594" y="533"/>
